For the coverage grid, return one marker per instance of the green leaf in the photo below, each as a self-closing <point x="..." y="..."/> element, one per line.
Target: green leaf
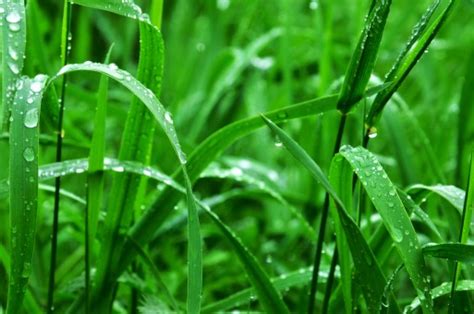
<point x="23" y="185"/>
<point x="452" y="251"/>
<point x="454" y="195"/>
<point x="384" y="196"/>
<point x="422" y="36"/>
<point x="441" y="290"/>
<point x="364" y="56"/>
<point x="13" y="53"/>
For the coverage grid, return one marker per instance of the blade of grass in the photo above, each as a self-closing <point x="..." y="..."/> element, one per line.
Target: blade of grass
<point x="458" y="252"/>
<point x="363" y="58"/>
<point x="466" y="220"/>
<point x="441" y="290"/>
<point x="421" y="38"/>
<point x="23" y="186"/>
<point x="465" y="119"/>
<point x="454" y="195"/>
<point x="13" y="52"/>
<point x="387" y="202"/>
<point x="363" y="257"/>
<point x="95" y="179"/>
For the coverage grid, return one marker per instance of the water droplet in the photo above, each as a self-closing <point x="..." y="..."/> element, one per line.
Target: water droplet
<point x="397" y="234"/>
<point x="223" y="4"/>
<point x="13" y="17"/>
<point x="13" y="67"/>
<point x="14" y="27"/>
<point x="36" y="86"/>
<point x="29" y="154"/>
<point x="13" y="53"/>
<point x="31" y="118"/>
<point x="168" y="117"/>
<point x="118" y="169"/>
<point x="236" y="171"/>
<point x="313" y="5"/>
<point x="26" y="270"/>
<point x="373" y="132"/>
<point x="113" y="66"/>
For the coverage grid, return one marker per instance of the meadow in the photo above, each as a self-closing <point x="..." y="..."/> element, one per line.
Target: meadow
<point x="228" y="156"/>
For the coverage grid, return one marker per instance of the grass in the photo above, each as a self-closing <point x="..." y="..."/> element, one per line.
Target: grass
<point x="148" y="168"/>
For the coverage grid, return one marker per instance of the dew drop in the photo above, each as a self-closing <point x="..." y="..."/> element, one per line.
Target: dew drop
<point x="13" y="17"/>
<point x="31" y="118"/>
<point x="29" y="154"/>
<point x="13" y="53"/>
<point x="36" y="86"/>
<point x="14" y="27"/>
<point x="168" y="117"/>
<point x="14" y="68"/>
<point x="236" y="171"/>
<point x="397" y="235"/>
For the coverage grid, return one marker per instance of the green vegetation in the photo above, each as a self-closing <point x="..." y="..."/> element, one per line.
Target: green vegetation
<point x="286" y="156"/>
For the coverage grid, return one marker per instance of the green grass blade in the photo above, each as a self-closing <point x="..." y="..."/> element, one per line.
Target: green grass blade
<point x="454" y="195"/>
<point x="95" y="179"/>
<point x="442" y="290"/>
<point x="465" y="121"/>
<point x="362" y="255"/>
<point x="13" y="52"/>
<point x="387" y="202"/>
<point x="194" y="253"/>
<point x="411" y="54"/>
<point x="466" y="220"/>
<point x="125" y="8"/>
<point x="23" y="185"/>
<point x="458" y="252"/>
<point x="139" y="90"/>
<point x="363" y="58"/>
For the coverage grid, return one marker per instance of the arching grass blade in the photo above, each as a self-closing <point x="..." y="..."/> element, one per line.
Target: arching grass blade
<point x="388" y="204"/>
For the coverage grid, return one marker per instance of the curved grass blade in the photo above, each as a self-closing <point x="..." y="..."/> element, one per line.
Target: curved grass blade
<point x="413" y="209"/>
<point x="281" y="283"/>
<point x="12" y="19"/>
<point x="126" y="8"/>
<point x="452" y="251"/>
<point x="454" y="195"/>
<point x="441" y="290"/>
<point x="363" y="257"/>
<point x="363" y="59"/>
<point x="139" y="90"/>
<point x="387" y="202"/>
<point x="421" y="38"/>
<point x="23" y="185"/>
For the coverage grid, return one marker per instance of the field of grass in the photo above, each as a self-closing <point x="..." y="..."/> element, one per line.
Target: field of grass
<point x="210" y="156"/>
